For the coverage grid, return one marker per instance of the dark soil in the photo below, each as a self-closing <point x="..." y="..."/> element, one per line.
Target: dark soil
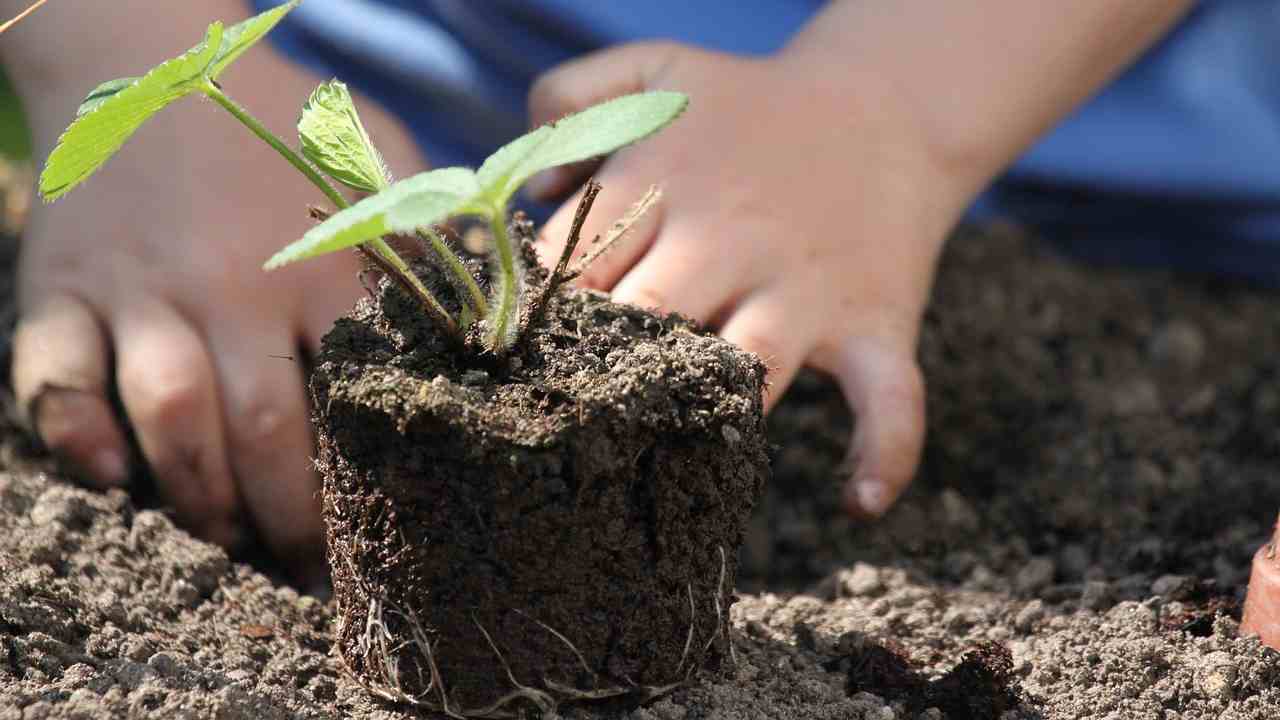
<point x="1103" y="443"/>
<point x="558" y="525"/>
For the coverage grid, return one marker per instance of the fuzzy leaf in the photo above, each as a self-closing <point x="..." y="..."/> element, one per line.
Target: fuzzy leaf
<point x="102" y="93"/>
<point x="334" y="139"/>
<point x="411" y="203"/>
<point x="243" y="35"/>
<point x="598" y="130"/>
<point x="100" y="131"/>
<point x="495" y="171"/>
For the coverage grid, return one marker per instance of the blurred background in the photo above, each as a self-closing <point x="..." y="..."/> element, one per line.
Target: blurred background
<point x="16" y="165"/>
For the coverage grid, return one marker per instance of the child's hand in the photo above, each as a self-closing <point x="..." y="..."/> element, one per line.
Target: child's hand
<point x="148" y="282"/>
<point x="801" y="222"/>
<point x="807" y="195"/>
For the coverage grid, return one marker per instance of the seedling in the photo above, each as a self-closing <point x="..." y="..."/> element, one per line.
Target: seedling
<point x="334" y="143"/>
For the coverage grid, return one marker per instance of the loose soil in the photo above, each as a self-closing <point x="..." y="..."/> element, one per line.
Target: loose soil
<point x="1101" y="466"/>
<point x="560" y="522"/>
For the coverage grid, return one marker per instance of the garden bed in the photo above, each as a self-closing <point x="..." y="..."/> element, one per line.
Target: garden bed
<point x="1104" y="458"/>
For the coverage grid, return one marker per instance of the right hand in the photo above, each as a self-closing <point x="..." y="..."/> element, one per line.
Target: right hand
<point x="146" y="282"/>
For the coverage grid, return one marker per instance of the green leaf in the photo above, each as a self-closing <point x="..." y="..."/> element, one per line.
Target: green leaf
<point x="421" y="200"/>
<point x="243" y="35"/>
<point x="102" y="93"/>
<point x="334" y="139"/>
<point x="598" y="130"/>
<point x="100" y="131"/>
<point x="497" y="168"/>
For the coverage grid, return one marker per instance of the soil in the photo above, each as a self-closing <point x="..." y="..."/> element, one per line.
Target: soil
<point x="1101" y="466"/>
<point x="558" y="522"/>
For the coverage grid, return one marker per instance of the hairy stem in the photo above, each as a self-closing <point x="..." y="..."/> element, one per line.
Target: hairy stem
<point x="380" y="248"/>
<point x="392" y="265"/>
<point x="502" y="319"/>
<point x="467" y="287"/>
<point x="389" y="263"/>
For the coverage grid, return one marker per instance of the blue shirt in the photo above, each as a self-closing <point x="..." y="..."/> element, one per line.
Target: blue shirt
<point x="1176" y="163"/>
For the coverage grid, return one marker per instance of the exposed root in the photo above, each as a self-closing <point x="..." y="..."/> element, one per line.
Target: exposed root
<point x="688" y="640"/>
<point x="717" y="605"/>
<point x="385" y="662"/>
<point x="617" y="231"/>
<point x="724" y="565"/>
<point x="544" y="701"/>
<point x="572" y="648"/>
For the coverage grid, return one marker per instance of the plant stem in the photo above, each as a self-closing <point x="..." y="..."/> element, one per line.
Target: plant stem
<point x="249" y="121"/>
<point x="393" y="266"/>
<point x="502" y="318"/>
<point x="464" y="284"/>
<point x="380" y="246"/>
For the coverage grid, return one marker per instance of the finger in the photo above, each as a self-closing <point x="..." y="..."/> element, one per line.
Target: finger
<point x="590" y="79"/>
<point x="60" y="361"/>
<point x="322" y="304"/>
<point x="577" y="85"/>
<point x="269" y="438"/>
<point x="884" y="386"/>
<point x="764" y="324"/>
<point x="169" y="392"/>
<point x="610" y="206"/>
<point x="558" y="182"/>
<point x="680" y="274"/>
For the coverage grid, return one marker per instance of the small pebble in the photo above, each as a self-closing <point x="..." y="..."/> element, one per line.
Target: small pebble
<point x="1178" y="346"/>
<point x="863" y="581"/>
<point x="731" y="434"/>
<point x="1028" y="616"/>
<point x="1139" y="396"/>
<point x="1096" y="595"/>
<point x="1216" y="675"/>
<point x="958" y="511"/>
<point x="1173" y="587"/>
<point x="1035" y="575"/>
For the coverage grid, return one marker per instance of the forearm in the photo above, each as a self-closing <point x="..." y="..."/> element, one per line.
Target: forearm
<point x="981" y="79"/>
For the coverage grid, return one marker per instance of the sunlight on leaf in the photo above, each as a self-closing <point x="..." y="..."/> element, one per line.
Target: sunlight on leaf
<point x="243" y="35"/>
<point x="334" y="139"/>
<point x="414" y="202"/>
<point x="100" y="131"/>
<point x="598" y="130"/>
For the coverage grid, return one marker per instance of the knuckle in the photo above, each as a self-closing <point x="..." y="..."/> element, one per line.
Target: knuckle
<point x="547" y="96"/>
<point x="264" y="422"/>
<point x="164" y="397"/>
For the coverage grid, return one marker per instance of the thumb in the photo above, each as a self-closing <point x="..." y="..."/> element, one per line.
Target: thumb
<point x="580" y="83"/>
<point x="885" y="388"/>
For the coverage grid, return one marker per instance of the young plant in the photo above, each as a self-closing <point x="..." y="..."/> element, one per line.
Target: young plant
<point x="334" y="143"/>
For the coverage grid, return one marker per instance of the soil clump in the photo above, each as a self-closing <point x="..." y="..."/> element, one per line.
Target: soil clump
<point x="557" y="524"/>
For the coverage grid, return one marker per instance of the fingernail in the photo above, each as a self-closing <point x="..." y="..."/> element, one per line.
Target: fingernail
<point x="109" y="467"/>
<point x="873" y="496"/>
